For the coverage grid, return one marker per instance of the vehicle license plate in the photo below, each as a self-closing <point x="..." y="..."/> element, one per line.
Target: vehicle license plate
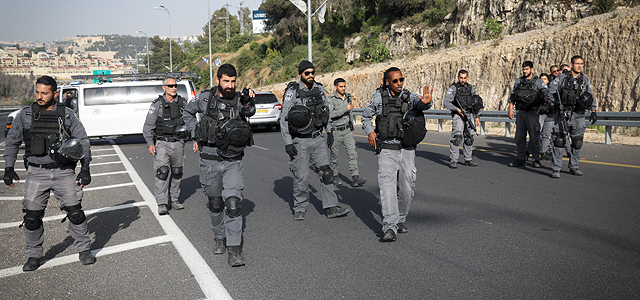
<point x="262" y="111"/>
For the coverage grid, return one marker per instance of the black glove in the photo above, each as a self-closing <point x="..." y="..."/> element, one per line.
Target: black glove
<point x="84" y="177"/>
<point x="291" y="150"/>
<point x="245" y="97"/>
<point x="329" y="139"/>
<point x="10" y="175"/>
<point x="593" y="117"/>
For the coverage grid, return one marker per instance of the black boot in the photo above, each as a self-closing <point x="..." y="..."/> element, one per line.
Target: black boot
<point x="235" y="256"/>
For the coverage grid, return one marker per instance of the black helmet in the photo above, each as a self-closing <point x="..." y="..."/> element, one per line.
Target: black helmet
<point x="299" y="118"/>
<point x="182" y="133"/>
<point x="70" y="151"/>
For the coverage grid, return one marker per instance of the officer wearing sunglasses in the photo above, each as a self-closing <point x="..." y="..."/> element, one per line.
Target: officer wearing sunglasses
<point x="396" y="161"/>
<point x="305" y="113"/>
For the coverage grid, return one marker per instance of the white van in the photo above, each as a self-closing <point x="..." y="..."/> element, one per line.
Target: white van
<point x="114" y="109"/>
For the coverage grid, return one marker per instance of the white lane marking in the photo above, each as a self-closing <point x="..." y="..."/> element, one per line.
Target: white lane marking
<point x="208" y="281"/>
<point x="87" y="212"/>
<point x="109" y="173"/>
<point x="106" y="163"/>
<point x="108" y="186"/>
<point x="102" y="149"/>
<point x="10" y="198"/>
<point x="262" y="148"/>
<point x="103" y="155"/>
<point x="73" y="258"/>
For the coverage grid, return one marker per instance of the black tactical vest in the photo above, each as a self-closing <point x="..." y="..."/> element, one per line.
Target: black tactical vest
<point x="572" y="90"/>
<point x="171" y="116"/>
<point x="463" y="97"/>
<point x="313" y="100"/>
<point x="46" y="127"/>
<point x="389" y="124"/>
<point x="527" y="96"/>
<point x="218" y="111"/>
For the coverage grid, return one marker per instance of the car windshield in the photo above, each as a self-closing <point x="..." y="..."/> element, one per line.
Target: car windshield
<point x="266" y="98"/>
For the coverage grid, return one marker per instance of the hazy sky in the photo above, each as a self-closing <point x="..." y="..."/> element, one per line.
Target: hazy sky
<point x="46" y="21"/>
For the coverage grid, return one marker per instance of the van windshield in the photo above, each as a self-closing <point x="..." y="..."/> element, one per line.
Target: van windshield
<point x="105" y="95"/>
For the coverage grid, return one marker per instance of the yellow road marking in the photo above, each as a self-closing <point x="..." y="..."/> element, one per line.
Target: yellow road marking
<point x="511" y="153"/>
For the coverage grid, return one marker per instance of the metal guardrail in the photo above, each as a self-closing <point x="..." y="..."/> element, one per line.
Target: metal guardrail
<point x="605" y="118"/>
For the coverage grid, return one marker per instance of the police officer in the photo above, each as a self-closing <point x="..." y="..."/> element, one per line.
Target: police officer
<point x="305" y="112"/>
<point x="71" y="101"/>
<point x="460" y="100"/>
<point x="51" y="152"/>
<point x="573" y="97"/>
<point x="396" y="162"/>
<point x="342" y="125"/>
<point x="165" y="134"/>
<point x="527" y="96"/>
<point x="221" y="147"/>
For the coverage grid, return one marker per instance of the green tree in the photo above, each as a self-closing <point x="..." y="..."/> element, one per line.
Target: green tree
<point x="218" y="31"/>
<point x="160" y="56"/>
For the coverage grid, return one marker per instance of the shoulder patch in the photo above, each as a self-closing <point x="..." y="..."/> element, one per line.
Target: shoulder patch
<point x="288" y="97"/>
<point x="152" y="109"/>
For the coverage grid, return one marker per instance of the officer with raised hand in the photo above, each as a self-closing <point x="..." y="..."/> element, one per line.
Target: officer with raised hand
<point x="342" y="125"/>
<point x="396" y="160"/>
<point x="305" y="112"/>
<point x="528" y="94"/>
<point x="165" y="133"/>
<point x="221" y="136"/>
<point x="52" y="152"/>
<point x="573" y="97"/>
<point x="460" y="99"/>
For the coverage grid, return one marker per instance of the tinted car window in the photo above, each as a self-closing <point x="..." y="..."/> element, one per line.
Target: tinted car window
<point x="122" y="95"/>
<point x="266" y="98"/>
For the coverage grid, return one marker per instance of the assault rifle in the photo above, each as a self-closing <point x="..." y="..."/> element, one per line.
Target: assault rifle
<point x="465" y="118"/>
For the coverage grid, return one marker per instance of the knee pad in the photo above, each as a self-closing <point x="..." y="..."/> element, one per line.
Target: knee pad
<point x="468" y="140"/>
<point x="327" y="175"/>
<point x="33" y="219"/>
<point x="456" y="140"/>
<point x="75" y="214"/>
<point x="233" y="207"/>
<point x="176" y="173"/>
<point x="576" y="141"/>
<point x="215" y="205"/>
<point x="162" y="173"/>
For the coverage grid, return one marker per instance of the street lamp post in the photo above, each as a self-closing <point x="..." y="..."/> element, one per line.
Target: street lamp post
<point x="170" y="54"/>
<point x="148" y="67"/>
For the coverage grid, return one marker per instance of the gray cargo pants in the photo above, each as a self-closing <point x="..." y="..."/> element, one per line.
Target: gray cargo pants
<point x="223" y="179"/>
<point x="340" y="138"/>
<point x="457" y="128"/>
<point x="311" y="152"/>
<point x="397" y="181"/>
<point x="527" y="122"/>
<point x="577" y="128"/>
<point x="170" y="154"/>
<point x="40" y="182"/>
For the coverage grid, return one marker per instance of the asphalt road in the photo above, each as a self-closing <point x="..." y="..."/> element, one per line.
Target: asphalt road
<point x="485" y="232"/>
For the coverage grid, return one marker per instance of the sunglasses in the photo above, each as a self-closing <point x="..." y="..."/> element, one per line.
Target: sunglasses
<point x="401" y="79"/>
<point x="173" y="86"/>
<point x="554" y="71"/>
<point x="307" y="73"/>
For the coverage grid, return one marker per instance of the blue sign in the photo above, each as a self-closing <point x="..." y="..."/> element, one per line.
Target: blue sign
<point x="259" y="15"/>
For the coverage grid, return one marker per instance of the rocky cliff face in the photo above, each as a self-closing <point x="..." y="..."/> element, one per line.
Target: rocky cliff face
<point x="610" y="44"/>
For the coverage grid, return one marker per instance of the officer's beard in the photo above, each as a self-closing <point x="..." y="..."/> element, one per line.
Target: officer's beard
<point x="227" y="93"/>
<point x="307" y="82"/>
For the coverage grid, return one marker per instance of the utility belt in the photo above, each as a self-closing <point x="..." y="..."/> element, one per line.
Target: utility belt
<point x="312" y="135"/>
<point x="395" y="146"/>
<point x="215" y="157"/>
<point x="52" y="166"/>
<point x="169" y="139"/>
<point x="341" y="128"/>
